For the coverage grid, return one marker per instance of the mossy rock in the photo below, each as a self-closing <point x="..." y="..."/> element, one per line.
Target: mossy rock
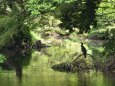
<point x="64" y="67"/>
<point x="80" y="64"/>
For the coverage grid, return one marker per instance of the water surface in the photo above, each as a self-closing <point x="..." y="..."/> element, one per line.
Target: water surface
<point x="39" y="73"/>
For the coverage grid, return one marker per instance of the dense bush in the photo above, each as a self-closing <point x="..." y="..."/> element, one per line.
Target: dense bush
<point x="101" y="34"/>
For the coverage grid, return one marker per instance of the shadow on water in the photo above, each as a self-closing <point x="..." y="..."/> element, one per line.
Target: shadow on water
<point x="18" y="56"/>
<point x="16" y="59"/>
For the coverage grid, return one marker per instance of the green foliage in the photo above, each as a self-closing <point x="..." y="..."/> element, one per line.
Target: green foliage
<point x="110" y="45"/>
<point x="13" y="30"/>
<point x="7" y="30"/>
<point x="101" y="34"/>
<point x="104" y="41"/>
<point x="18" y="18"/>
<point x="78" y="14"/>
<point x="13" y="24"/>
<point x="2" y="58"/>
<point x="105" y="13"/>
<point x="106" y="27"/>
<point x="37" y="7"/>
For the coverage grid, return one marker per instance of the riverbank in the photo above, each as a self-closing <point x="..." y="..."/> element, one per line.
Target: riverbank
<point x="72" y="48"/>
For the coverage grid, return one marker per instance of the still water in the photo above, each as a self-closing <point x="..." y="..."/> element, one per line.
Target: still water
<point x="39" y="73"/>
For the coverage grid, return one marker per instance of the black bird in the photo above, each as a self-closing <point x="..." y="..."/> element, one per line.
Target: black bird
<point x="83" y="49"/>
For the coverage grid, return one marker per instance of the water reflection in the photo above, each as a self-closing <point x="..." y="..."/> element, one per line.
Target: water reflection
<point x="39" y="73"/>
<point x="16" y="59"/>
<point x="94" y="78"/>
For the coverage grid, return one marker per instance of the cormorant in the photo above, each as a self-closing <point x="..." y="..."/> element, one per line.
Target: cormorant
<point x="83" y="49"/>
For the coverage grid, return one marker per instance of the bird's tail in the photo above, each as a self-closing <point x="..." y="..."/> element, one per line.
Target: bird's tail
<point x="85" y="55"/>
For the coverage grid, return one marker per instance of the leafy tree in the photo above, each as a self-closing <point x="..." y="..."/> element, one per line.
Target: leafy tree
<point x="79" y="14"/>
<point x="106" y="27"/>
<point x="105" y="13"/>
<point x="16" y="19"/>
<point x="13" y="27"/>
<point x="106" y="20"/>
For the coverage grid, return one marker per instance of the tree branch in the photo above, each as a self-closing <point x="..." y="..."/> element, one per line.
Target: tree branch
<point x="82" y="55"/>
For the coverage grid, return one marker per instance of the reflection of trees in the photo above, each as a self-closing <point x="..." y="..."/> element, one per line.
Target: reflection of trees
<point x="109" y="79"/>
<point x="95" y="79"/>
<point x="16" y="58"/>
<point x="82" y="80"/>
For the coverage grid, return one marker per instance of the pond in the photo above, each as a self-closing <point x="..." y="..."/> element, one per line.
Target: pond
<point x="38" y="72"/>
